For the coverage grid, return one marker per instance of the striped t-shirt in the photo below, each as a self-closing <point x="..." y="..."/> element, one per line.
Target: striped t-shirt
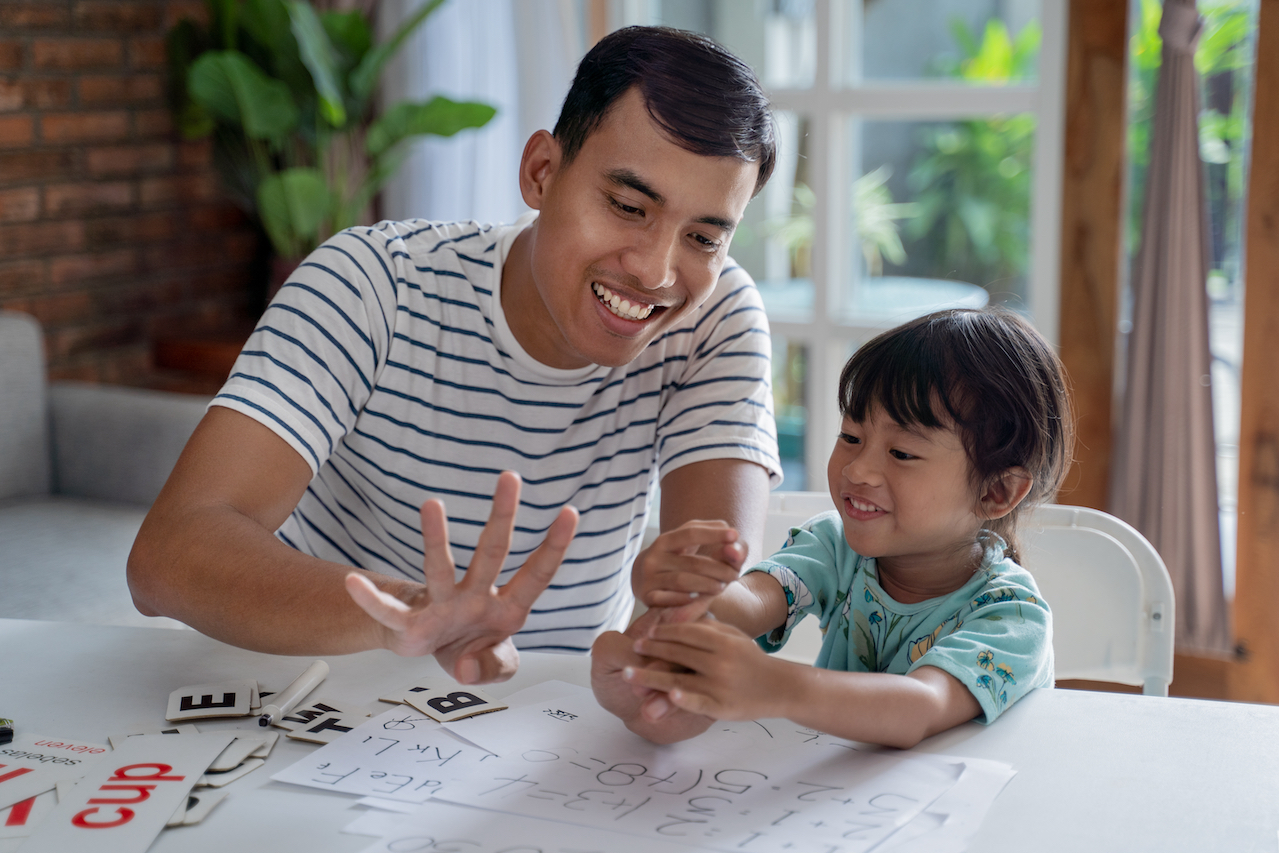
<point x="387" y="363"/>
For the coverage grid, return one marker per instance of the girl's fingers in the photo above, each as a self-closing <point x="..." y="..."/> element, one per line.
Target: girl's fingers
<point x="695" y="534"/>
<point x="678" y="653"/>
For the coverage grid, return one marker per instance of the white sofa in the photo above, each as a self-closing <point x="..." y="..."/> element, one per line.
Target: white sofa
<point x="79" y="465"/>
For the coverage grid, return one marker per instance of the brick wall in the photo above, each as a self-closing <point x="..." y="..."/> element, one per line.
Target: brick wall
<point x="112" y="228"/>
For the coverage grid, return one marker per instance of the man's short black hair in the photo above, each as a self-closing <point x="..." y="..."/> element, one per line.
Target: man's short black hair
<point x="706" y="99"/>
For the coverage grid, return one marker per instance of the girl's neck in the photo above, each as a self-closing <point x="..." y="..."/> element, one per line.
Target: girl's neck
<point x="910" y="581"/>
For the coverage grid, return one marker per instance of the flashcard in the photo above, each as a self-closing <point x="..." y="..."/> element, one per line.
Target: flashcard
<point x="32" y="764"/>
<point x="227" y="699"/>
<point x="327" y="728"/>
<point x="127" y="796"/>
<point x="304" y="714"/>
<point x="399" y="695"/>
<point x="218" y="778"/>
<point x="452" y="702"/>
<point x="152" y="729"/>
<point x="268" y="743"/>
<point x="197" y="807"/>
<point x="242" y="747"/>
<point x="21" y="819"/>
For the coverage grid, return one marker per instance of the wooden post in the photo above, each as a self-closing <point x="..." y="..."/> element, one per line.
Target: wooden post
<point x="1256" y="678"/>
<point x="1092" y="232"/>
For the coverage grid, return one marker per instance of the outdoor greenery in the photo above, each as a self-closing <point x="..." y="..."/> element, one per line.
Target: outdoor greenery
<point x="972" y="178"/>
<point x="287" y="93"/>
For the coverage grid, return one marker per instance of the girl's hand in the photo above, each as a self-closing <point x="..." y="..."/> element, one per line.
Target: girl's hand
<point x="696" y="559"/>
<point x="729" y="677"/>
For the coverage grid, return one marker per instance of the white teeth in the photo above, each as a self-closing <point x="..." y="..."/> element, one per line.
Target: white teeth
<point x="858" y="505"/>
<point x="619" y="306"/>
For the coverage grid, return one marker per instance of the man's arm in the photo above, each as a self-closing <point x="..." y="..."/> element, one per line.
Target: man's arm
<point x="731" y="490"/>
<point x="207" y="555"/>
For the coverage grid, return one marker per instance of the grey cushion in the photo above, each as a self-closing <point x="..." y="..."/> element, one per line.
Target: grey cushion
<point x="24" y="433"/>
<point x="117" y="443"/>
<point x="64" y="559"/>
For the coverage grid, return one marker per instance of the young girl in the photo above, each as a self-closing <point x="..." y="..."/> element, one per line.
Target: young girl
<point x="952" y="424"/>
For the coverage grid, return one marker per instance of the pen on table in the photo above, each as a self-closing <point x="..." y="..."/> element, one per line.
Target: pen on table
<point x="285" y="701"/>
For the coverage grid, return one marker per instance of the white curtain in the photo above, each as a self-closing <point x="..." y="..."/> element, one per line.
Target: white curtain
<point x="519" y="56"/>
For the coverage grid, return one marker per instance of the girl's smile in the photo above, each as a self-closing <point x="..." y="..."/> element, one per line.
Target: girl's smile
<point x="907" y="498"/>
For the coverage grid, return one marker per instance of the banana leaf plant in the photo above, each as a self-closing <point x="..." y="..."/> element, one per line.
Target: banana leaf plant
<point x="287" y="94"/>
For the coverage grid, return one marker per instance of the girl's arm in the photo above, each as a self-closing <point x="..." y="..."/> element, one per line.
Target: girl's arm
<point x="731" y="678"/>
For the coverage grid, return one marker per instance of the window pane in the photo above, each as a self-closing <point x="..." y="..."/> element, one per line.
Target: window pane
<point x="778" y="38"/>
<point x="775" y="240"/>
<point x="790" y="360"/>
<point x="939" y="210"/>
<point x="978" y="42"/>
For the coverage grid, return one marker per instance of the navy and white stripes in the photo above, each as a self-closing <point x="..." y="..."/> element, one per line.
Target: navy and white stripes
<point x="386" y="363"/>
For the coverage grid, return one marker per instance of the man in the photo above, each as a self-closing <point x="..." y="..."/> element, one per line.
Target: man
<point x="596" y="348"/>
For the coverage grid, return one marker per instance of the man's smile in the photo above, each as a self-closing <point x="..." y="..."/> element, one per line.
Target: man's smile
<point x="624" y="308"/>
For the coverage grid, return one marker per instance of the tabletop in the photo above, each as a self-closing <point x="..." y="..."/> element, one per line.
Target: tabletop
<point x="1095" y="771"/>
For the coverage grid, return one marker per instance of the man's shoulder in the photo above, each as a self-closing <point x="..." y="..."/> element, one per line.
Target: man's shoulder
<point x="423" y="237"/>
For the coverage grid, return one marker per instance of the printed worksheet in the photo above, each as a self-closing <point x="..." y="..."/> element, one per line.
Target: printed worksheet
<point x="400" y="754"/>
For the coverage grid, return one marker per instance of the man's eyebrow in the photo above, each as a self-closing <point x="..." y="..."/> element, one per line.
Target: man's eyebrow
<point x="627" y="178"/>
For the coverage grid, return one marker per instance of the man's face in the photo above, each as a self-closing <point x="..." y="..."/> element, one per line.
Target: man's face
<point x="630" y="239"/>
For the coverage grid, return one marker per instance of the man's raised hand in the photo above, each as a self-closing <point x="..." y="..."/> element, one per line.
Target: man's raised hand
<point x="468" y="625"/>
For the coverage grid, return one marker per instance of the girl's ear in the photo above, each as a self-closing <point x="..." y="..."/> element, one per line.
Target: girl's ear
<point x="538" y="166"/>
<point x="1002" y="493"/>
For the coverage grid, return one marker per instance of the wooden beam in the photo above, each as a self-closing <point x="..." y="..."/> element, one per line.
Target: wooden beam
<point x="1256" y="678"/>
<point x="1092" y="232"/>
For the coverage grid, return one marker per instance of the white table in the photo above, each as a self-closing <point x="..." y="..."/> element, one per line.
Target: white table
<point x="1096" y="771"/>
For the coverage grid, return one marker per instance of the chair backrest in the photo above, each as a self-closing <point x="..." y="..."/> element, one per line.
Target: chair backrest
<point x="1110" y="593"/>
<point x="1111" y="596"/>
<point x="24" y="414"/>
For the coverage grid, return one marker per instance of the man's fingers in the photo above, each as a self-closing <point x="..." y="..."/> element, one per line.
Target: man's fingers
<point x="495" y="540"/>
<point x="540" y="568"/>
<point x="485" y="666"/>
<point x="696" y="534"/>
<point x="438" y="567"/>
<point x="386" y="609"/>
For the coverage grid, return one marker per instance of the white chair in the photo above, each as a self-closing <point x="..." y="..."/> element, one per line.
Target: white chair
<point x="1110" y="594"/>
<point x="1109" y="591"/>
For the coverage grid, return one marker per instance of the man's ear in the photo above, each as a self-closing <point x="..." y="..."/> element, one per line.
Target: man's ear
<point x="1002" y="493"/>
<point x="538" y="165"/>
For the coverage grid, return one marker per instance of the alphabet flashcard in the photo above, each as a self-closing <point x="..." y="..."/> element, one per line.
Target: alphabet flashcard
<point x="327" y="728"/>
<point x="450" y="702"/>
<point x="32" y="764"/>
<point x="218" y="778"/>
<point x="399" y="696"/>
<point x="306" y="714"/>
<point x="152" y="729"/>
<point x="227" y="699"/>
<point x="197" y="807"/>
<point x="20" y="819"/>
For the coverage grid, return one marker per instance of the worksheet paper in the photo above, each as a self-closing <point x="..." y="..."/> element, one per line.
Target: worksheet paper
<point x="400" y="754"/>
<point x="442" y="827"/>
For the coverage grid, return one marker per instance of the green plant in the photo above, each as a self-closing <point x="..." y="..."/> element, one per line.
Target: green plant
<point x="287" y="94"/>
<point x="972" y="178"/>
<point x="875" y="216"/>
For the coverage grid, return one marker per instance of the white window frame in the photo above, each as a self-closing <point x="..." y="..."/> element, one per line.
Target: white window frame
<point x="828" y="105"/>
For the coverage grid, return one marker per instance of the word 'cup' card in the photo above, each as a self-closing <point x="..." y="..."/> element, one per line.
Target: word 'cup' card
<point x="126" y="798"/>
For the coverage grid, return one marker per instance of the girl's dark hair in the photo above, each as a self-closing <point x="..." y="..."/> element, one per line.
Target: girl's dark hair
<point x="706" y="99"/>
<point x="990" y="375"/>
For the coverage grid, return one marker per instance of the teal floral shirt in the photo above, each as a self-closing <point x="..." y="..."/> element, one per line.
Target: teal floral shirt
<point x="994" y="633"/>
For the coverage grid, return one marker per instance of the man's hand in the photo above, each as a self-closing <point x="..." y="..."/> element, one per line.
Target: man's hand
<point x="646" y="712"/>
<point x="696" y="559"/>
<point x="714" y="670"/>
<point x="468" y="625"/>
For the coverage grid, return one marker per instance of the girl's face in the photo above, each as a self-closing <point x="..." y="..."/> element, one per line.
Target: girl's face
<point x="906" y="498"/>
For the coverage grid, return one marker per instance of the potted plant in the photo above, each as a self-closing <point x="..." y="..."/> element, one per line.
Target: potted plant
<point x="287" y="94"/>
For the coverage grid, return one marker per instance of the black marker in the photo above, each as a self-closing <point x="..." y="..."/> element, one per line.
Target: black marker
<point x="6" y="730"/>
